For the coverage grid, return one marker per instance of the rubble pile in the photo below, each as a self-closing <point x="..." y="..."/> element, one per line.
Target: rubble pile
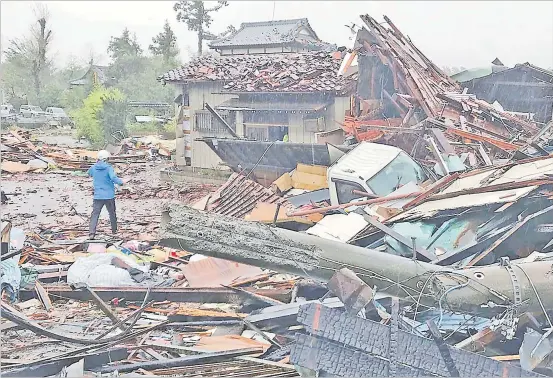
<point x="419" y="97"/>
<point x="20" y="155"/>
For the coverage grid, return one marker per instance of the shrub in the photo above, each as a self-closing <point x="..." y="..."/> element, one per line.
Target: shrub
<point x="89" y="118"/>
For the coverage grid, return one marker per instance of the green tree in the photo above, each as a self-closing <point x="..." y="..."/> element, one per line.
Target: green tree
<point x="198" y="18"/>
<point x="142" y="85"/>
<point x="90" y="118"/>
<point x="165" y="44"/>
<point x="124" y="46"/>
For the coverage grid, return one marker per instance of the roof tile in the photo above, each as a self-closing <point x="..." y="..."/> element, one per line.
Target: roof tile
<point x="293" y="72"/>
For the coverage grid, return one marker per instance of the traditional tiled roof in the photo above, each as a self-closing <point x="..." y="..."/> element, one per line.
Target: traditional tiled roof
<point x="291" y="72"/>
<point x="265" y="33"/>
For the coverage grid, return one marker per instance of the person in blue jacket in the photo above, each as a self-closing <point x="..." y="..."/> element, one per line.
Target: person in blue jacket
<point x="104" y="181"/>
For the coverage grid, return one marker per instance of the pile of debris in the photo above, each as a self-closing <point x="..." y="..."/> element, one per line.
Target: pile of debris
<point x="419" y="96"/>
<point x="20" y="155"/>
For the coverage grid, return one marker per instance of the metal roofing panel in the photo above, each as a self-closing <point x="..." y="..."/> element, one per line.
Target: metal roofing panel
<point x="277" y="157"/>
<point x="367" y="159"/>
<point x="467" y="200"/>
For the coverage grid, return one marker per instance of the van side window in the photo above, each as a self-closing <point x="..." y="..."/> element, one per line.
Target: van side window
<point x="344" y="190"/>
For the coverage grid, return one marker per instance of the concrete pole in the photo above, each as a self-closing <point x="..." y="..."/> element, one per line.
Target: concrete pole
<point x="468" y="290"/>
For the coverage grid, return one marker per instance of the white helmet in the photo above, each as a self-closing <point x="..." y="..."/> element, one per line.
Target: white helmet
<point x="103" y="155"/>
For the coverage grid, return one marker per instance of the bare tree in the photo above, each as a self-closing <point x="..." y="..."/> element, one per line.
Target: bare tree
<point x="32" y="52"/>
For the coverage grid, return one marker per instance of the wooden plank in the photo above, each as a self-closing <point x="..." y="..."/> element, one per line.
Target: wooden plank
<point x="43" y="296"/>
<point x="442" y="141"/>
<point x="513" y="357"/>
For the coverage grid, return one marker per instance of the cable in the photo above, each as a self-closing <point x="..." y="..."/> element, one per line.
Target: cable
<point x="537" y="295"/>
<point x="443" y="296"/>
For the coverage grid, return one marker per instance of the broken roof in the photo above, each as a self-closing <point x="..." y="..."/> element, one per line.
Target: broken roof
<point x="291" y="72"/>
<point x="239" y="195"/>
<point x="266" y="33"/>
<point x="427" y="86"/>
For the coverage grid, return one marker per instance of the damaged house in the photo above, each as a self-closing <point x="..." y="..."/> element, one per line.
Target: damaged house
<point x="262" y="94"/>
<point x="524" y="88"/>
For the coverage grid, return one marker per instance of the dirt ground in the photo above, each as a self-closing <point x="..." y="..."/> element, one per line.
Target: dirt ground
<point x="65" y="198"/>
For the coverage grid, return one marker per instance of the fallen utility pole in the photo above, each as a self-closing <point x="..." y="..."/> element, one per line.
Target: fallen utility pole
<point x="481" y="290"/>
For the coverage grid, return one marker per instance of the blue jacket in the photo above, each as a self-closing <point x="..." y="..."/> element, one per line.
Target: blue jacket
<point x="104" y="179"/>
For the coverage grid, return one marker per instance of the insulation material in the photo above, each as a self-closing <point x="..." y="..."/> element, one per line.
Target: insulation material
<point x="338" y="227"/>
<point x="213" y="272"/>
<point x="309" y="177"/>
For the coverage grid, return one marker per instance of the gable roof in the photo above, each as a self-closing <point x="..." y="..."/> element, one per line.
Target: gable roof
<point x="288" y="72"/>
<point x="543" y="75"/>
<point x="100" y="72"/>
<point x="267" y="33"/>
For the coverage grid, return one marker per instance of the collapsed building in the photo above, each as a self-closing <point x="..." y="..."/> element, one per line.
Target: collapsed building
<point x="419" y="245"/>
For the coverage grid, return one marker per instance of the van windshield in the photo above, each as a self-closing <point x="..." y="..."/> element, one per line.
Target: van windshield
<point x="398" y="172"/>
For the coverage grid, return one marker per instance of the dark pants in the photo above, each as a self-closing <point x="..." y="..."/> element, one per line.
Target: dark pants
<point x="97" y="207"/>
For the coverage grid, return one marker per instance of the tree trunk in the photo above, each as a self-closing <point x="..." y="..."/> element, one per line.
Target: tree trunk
<point x="201" y="12"/>
<point x="200" y="41"/>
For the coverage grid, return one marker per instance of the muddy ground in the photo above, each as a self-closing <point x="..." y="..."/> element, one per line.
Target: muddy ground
<point x="65" y="198"/>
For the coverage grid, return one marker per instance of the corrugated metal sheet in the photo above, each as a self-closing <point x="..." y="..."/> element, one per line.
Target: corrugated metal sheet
<point x="239" y="195"/>
<point x="367" y="159"/>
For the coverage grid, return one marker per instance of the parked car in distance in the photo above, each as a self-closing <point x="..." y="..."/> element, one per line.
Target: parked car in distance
<point x="29" y="111"/>
<point x="58" y="115"/>
<point x="7" y="112"/>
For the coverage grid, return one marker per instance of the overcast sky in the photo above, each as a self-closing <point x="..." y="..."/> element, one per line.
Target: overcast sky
<point x="456" y="33"/>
